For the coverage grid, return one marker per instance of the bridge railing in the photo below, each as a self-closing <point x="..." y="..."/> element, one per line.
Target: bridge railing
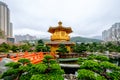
<point x="34" y="57"/>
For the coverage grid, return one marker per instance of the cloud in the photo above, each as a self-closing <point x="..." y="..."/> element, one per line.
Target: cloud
<point x="32" y="32"/>
<point x="86" y="17"/>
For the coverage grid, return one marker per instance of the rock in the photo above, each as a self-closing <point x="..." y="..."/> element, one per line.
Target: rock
<point x="70" y="77"/>
<point x="4" y="61"/>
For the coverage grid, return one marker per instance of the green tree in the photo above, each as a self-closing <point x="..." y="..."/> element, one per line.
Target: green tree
<point x="80" y="48"/>
<point x="16" y="69"/>
<point x="14" y="48"/>
<point x="25" y="47"/>
<point x="62" y="49"/>
<point x="111" y="47"/>
<point x="84" y="74"/>
<point x="2" y="35"/>
<point x="49" y="69"/>
<point x="98" y="67"/>
<point x="96" y="47"/>
<point x="42" y="47"/>
<point x="4" y="47"/>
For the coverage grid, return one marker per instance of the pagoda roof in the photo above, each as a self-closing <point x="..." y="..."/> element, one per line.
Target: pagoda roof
<point x="60" y="28"/>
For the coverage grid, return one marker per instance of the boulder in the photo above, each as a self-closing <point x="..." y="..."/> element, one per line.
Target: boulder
<point x="4" y="61"/>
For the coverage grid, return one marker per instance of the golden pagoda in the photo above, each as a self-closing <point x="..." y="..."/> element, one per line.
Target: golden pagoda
<point x="60" y="35"/>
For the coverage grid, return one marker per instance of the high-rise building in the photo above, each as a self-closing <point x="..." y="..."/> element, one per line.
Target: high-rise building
<point x="5" y="24"/>
<point x="27" y="37"/>
<point x="112" y="34"/>
<point x="10" y="30"/>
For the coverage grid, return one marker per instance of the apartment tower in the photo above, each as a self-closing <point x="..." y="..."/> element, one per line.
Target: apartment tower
<point x="5" y="25"/>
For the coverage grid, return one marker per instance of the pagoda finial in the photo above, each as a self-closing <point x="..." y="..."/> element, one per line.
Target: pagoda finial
<point x="60" y="23"/>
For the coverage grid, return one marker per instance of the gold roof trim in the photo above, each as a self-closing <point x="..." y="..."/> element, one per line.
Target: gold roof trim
<point x="60" y="27"/>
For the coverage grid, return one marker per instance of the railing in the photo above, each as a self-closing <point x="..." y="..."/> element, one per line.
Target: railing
<point x="34" y="57"/>
<point x="72" y="55"/>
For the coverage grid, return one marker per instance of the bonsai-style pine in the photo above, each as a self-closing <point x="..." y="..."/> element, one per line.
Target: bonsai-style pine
<point x="49" y="69"/>
<point x="62" y="49"/>
<point x="97" y="67"/>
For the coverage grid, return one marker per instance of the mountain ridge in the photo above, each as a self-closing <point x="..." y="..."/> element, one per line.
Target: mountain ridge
<point x="78" y="39"/>
<point x="84" y="39"/>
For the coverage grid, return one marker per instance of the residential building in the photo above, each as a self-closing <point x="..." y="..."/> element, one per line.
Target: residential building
<point x="10" y="30"/>
<point x="27" y="37"/>
<point x="5" y="25"/>
<point x="112" y="34"/>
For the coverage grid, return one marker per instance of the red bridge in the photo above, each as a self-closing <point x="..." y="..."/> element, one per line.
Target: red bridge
<point x="34" y="57"/>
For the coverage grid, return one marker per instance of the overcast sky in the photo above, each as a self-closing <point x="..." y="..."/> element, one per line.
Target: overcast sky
<point x="86" y="17"/>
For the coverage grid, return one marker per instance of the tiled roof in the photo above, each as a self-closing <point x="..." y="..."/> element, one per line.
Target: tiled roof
<point x="61" y="28"/>
<point x="60" y="42"/>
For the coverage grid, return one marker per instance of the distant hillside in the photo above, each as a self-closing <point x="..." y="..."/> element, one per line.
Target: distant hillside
<point x="82" y="39"/>
<point x="97" y="37"/>
<point x="79" y="39"/>
<point x="44" y="39"/>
